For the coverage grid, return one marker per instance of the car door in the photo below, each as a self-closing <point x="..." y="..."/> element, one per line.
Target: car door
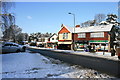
<point x="6" y="48"/>
<point x="13" y="47"/>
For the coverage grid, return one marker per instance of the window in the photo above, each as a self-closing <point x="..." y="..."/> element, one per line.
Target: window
<point x="100" y="34"/>
<point x="14" y="45"/>
<point x="81" y="35"/>
<point x="52" y="38"/>
<point x="65" y="35"/>
<point x="7" y="45"/>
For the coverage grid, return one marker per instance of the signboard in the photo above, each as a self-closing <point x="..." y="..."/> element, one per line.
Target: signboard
<point x="98" y="41"/>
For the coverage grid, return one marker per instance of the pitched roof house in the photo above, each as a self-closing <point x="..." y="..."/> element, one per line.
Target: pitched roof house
<point x="93" y="35"/>
<point x="53" y="40"/>
<point x="97" y="35"/>
<point x="65" y="37"/>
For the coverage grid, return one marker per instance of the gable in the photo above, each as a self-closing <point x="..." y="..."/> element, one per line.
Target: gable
<point x="53" y="35"/>
<point x="64" y="30"/>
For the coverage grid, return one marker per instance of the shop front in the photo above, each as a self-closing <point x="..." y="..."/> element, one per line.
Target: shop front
<point x="99" y="45"/>
<point x="52" y="45"/>
<point x="81" y="45"/>
<point x="65" y="45"/>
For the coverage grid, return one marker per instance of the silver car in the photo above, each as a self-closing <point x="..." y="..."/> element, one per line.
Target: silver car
<point x="10" y="47"/>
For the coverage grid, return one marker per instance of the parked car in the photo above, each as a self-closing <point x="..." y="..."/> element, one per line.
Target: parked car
<point x="10" y="47"/>
<point x="32" y="44"/>
<point x="40" y="45"/>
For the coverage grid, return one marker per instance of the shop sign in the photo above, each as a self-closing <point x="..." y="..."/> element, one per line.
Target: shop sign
<point x="98" y="41"/>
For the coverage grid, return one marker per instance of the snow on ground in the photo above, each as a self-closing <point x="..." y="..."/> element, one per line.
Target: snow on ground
<point x="106" y="55"/>
<point x="34" y="65"/>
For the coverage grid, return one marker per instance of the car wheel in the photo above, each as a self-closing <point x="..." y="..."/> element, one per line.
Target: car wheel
<point x="18" y="51"/>
<point x="119" y="57"/>
<point x="24" y="48"/>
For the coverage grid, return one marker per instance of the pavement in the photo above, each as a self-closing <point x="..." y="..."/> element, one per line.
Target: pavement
<point x="107" y="55"/>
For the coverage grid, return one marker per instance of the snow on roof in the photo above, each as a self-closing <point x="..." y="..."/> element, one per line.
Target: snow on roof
<point x="99" y="28"/>
<point x="71" y="29"/>
<point x="53" y="35"/>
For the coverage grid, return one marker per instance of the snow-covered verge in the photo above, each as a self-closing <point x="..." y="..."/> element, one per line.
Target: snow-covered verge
<point x="107" y="55"/>
<point x="34" y="65"/>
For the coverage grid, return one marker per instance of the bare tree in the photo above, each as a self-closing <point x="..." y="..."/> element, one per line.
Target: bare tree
<point x="6" y="5"/>
<point x="88" y="23"/>
<point x="7" y="20"/>
<point x="11" y="33"/>
<point x="99" y="17"/>
<point x="22" y="37"/>
<point x="39" y="36"/>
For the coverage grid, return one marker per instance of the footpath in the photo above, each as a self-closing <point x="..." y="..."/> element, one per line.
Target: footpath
<point x="106" y="55"/>
<point x="103" y="63"/>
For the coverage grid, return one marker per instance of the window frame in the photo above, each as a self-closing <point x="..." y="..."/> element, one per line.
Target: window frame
<point x="52" y="38"/>
<point x="65" y="35"/>
<point x="81" y="35"/>
<point x="97" y="35"/>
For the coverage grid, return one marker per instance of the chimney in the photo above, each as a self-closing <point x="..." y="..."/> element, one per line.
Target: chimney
<point x="62" y="25"/>
<point x="77" y="26"/>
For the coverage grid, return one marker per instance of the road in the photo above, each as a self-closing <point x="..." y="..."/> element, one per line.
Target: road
<point x="33" y="65"/>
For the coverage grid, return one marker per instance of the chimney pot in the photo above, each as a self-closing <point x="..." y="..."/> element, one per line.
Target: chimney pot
<point x="77" y="26"/>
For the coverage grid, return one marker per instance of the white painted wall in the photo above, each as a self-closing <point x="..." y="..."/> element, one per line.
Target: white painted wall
<point x="55" y="38"/>
<point x="46" y="39"/>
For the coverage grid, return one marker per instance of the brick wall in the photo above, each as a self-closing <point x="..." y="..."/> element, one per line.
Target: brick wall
<point x="89" y="38"/>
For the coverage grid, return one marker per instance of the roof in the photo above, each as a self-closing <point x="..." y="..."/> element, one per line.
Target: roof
<point x="53" y="35"/>
<point x="100" y="28"/>
<point x="71" y="29"/>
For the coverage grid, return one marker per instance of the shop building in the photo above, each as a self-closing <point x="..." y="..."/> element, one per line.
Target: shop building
<point x="96" y="38"/>
<point x="65" y="37"/>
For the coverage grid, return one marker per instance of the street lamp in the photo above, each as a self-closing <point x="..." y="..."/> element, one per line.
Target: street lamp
<point x="74" y="31"/>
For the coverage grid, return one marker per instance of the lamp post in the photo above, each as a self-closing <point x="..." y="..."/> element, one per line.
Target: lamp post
<point x="73" y="47"/>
